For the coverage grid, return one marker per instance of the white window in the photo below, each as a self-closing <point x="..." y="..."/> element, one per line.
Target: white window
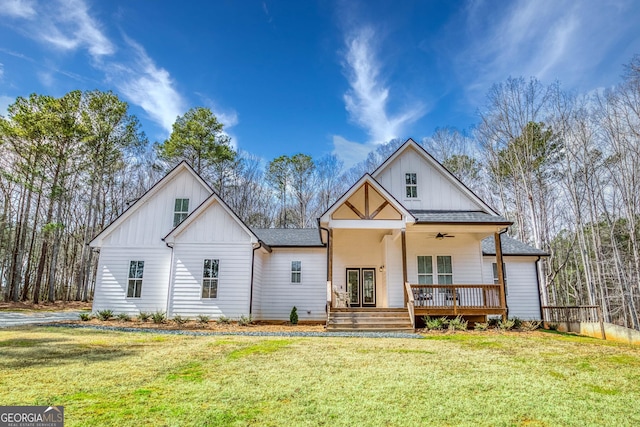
<point x="425" y="270"/>
<point x="495" y="275"/>
<point x="296" y="271"/>
<point x="181" y="211"/>
<point x="445" y="270"/>
<point x="210" y="278"/>
<point x="134" y="284"/>
<point x="411" y="182"/>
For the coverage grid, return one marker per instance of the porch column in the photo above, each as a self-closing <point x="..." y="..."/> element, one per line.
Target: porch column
<point x="404" y="264"/>
<point x="499" y="263"/>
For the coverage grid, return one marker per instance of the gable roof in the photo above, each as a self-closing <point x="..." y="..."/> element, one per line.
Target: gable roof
<point x="457" y="217"/>
<point x="209" y="201"/>
<point x="355" y="187"/>
<point x="289" y="237"/>
<point x="410" y="143"/>
<point x="155" y="188"/>
<point x="510" y="246"/>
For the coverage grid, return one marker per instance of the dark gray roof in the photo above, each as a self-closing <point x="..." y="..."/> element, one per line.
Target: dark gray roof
<point x="289" y="237"/>
<point x="462" y="217"/>
<point x="510" y="246"/>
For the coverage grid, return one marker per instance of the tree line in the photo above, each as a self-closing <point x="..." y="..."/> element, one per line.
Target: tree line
<point x="564" y="167"/>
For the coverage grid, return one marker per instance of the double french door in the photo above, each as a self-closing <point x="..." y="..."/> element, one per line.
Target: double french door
<point x="361" y="287"/>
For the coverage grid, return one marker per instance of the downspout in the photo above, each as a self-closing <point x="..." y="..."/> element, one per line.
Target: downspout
<point x="500" y="233"/>
<point x="170" y="287"/>
<point x="538" y="284"/>
<point x="260" y="244"/>
<point x="320" y="229"/>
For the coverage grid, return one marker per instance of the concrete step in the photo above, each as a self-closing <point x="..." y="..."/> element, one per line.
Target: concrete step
<point x="369" y="320"/>
<point x="365" y="320"/>
<point x="372" y="329"/>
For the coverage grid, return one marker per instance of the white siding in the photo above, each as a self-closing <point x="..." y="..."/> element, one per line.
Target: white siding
<point x="464" y="249"/>
<point x="279" y="295"/>
<point x="214" y="225"/>
<point x="234" y="279"/>
<point x="523" y="297"/>
<point x="258" y="279"/>
<point x="154" y="219"/>
<point x="393" y="269"/>
<point x="435" y="190"/>
<point x="112" y="279"/>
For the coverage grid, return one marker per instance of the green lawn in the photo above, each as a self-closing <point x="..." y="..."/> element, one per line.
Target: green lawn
<point x="119" y="379"/>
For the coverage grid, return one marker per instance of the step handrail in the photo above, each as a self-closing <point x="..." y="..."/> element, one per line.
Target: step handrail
<point x="410" y="304"/>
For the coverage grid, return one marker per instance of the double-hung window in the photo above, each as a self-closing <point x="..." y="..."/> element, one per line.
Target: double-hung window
<point x="296" y="271"/>
<point x="411" y="185"/>
<point x="180" y="211"/>
<point x="210" y="278"/>
<point x="496" y="280"/>
<point x="134" y="284"/>
<point x="425" y="270"/>
<point x="445" y="270"/>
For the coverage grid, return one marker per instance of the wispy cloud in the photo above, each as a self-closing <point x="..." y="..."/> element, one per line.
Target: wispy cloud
<point x="17" y="8"/>
<point x="5" y="101"/>
<point x="350" y="152"/>
<point x="368" y="97"/>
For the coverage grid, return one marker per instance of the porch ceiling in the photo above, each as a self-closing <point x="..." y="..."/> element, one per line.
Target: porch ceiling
<point x="480" y="230"/>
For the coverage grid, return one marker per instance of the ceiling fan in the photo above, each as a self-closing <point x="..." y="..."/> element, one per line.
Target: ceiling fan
<point x="441" y="236"/>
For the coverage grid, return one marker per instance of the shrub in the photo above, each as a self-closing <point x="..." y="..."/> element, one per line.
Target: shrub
<point x="105" y="314"/>
<point x="481" y="326"/>
<point x="223" y="320"/>
<point x="144" y="316"/>
<point x="494" y="321"/>
<point x="159" y="317"/>
<point x="293" y="316"/>
<point x="458" y="324"/>
<point x="245" y="320"/>
<point x="85" y="316"/>
<point x="179" y="320"/>
<point x="436" y="323"/>
<point x="202" y="319"/>
<point x="123" y="317"/>
<point x="506" y="325"/>
<point x="531" y="325"/>
<point x="552" y="326"/>
<point x="517" y="323"/>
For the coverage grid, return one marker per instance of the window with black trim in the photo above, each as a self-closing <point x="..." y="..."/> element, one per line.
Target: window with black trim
<point x="296" y="271"/>
<point x="134" y="284"/>
<point x="210" y="278"/>
<point x="181" y="211"/>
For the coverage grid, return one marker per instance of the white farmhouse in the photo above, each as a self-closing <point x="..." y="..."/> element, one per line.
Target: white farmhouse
<point x="406" y="241"/>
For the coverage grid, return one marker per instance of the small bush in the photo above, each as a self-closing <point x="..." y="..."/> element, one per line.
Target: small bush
<point x="123" y="317"/>
<point x="105" y="314"/>
<point x="245" y="320"/>
<point x="159" y="317"/>
<point x="493" y="322"/>
<point x="531" y="325"/>
<point x="223" y="320"/>
<point x="436" y="323"/>
<point x="458" y="324"/>
<point x="517" y="323"/>
<point x="202" y="319"/>
<point x="179" y="320"/>
<point x="144" y="316"/>
<point x="293" y="316"/>
<point x="481" y="326"/>
<point x="85" y="317"/>
<point x="506" y="325"/>
<point x="552" y="326"/>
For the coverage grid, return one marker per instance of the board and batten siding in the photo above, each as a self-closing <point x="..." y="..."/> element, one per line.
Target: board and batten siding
<point x="523" y="299"/>
<point x="435" y="190"/>
<point x="234" y="279"/>
<point x="279" y="295"/>
<point x="393" y="271"/>
<point x="258" y="278"/>
<point x="113" y="274"/>
<point x="154" y="219"/>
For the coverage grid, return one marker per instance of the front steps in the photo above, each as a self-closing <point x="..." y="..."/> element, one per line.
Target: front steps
<point x="369" y="320"/>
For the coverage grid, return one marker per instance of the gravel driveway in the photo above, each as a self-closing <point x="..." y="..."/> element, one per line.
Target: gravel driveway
<point x="17" y="318"/>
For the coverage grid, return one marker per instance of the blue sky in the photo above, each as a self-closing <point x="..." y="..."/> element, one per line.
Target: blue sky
<point x="310" y="76"/>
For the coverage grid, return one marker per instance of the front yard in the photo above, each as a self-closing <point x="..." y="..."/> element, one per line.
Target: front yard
<point x="113" y="378"/>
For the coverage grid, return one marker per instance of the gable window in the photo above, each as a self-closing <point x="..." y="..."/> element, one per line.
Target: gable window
<point x="411" y="182"/>
<point x="495" y="275"/>
<point x="181" y="211"/>
<point x="296" y="271"/>
<point x="134" y="284"/>
<point x="425" y="270"/>
<point x="210" y="278"/>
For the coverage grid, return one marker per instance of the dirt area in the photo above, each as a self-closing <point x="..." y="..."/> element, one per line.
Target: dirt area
<point x="45" y="306"/>
<point x="211" y="326"/>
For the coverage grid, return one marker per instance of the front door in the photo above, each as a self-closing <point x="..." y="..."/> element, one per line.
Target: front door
<point x="361" y="287"/>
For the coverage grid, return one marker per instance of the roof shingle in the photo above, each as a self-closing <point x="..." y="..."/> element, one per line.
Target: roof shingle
<point x="289" y="237"/>
<point x="463" y="217"/>
<point x="510" y="246"/>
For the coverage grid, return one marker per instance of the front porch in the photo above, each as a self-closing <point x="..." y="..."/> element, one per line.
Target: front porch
<point x="454" y="300"/>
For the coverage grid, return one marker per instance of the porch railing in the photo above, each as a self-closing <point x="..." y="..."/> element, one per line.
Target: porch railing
<point x="457" y="298"/>
<point x="410" y="304"/>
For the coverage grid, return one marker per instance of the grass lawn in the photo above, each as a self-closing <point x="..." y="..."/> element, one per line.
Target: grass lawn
<point x="120" y="379"/>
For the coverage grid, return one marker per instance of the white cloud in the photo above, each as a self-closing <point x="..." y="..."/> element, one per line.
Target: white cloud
<point x="350" y="152"/>
<point x="5" y="101"/>
<point x="17" y="8"/>
<point x="46" y="78"/>
<point x="145" y="84"/>
<point x="368" y="96"/>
